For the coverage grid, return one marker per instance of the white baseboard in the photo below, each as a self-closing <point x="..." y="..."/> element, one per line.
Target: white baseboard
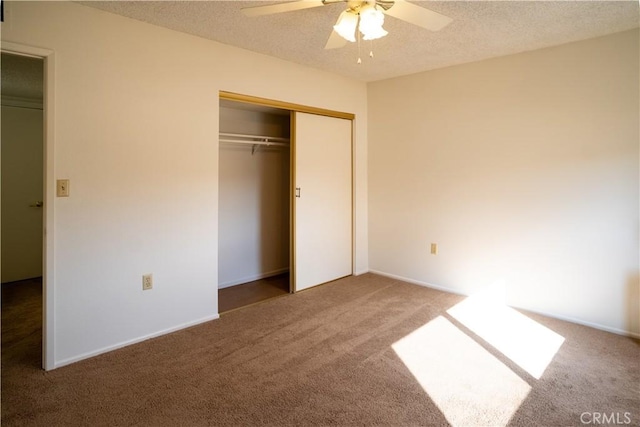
<point x="417" y="282"/>
<point x="361" y="272"/>
<point x="251" y="278"/>
<point x="543" y="313"/>
<point x="584" y="323"/>
<point x="107" y="349"/>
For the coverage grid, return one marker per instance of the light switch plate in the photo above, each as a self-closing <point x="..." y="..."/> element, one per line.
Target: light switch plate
<point x="62" y="188"/>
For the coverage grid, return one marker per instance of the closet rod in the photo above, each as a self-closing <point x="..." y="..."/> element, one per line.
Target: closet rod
<point x="266" y="143"/>
<point x="253" y="137"/>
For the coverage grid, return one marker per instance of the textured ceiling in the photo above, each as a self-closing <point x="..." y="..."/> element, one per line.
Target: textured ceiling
<point x="480" y="30"/>
<point x="21" y="76"/>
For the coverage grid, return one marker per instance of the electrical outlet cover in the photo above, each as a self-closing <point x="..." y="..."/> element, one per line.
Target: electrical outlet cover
<point x="147" y="282"/>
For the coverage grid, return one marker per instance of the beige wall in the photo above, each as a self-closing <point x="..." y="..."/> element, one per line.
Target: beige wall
<point x="136" y="131"/>
<point x="524" y="169"/>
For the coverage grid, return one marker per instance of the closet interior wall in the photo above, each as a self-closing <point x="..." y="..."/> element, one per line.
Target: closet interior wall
<point x="254" y="196"/>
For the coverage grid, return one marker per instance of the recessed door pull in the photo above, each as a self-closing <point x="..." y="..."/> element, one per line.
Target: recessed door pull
<point x="298" y="192"/>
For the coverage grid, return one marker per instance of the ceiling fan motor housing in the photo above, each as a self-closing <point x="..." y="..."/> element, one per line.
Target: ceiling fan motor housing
<point x="356" y="5"/>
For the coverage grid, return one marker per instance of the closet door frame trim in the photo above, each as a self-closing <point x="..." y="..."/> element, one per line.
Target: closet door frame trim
<point x="248" y="99"/>
<point x="293" y="108"/>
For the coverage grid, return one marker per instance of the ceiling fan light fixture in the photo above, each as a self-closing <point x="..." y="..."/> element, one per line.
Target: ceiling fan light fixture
<point x="371" y="20"/>
<point x="346" y="26"/>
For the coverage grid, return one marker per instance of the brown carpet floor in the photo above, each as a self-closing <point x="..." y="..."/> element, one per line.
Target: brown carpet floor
<point x="323" y="357"/>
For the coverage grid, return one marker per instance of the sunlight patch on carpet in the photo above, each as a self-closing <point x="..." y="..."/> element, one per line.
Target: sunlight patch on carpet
<point x="467" y="383"/>
<point x="526" y="342"/>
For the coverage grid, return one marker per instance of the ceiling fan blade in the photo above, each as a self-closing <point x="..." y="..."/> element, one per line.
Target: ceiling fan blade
<point x="335" y="41"/>
<point x="417" y="15"/>
<point x="281" y="7"/>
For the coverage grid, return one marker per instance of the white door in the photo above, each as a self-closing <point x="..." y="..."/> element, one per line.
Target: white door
<point x="22" y="151"/>
<point x="323" y="205"/>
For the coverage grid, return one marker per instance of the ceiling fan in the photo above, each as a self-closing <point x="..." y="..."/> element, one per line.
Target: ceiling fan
<point x="362" y="17"/>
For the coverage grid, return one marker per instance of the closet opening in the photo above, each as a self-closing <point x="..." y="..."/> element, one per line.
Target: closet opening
<point x="254" y="243"/>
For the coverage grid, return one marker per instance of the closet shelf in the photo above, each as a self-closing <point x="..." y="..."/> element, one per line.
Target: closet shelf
<point x="238" y="138"/>
<point x="267" y="143"/>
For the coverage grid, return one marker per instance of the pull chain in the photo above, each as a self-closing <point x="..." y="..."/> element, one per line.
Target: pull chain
<point x="371" y="52"/>
<point x="357" y="31"/>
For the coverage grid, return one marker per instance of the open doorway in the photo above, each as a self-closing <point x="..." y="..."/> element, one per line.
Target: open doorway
<point x="22" y="194"/>
<point x="254" y="210"/>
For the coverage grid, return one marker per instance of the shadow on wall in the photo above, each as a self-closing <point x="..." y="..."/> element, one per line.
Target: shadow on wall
<point x="273" y="210"/>
<point x="633" y="304"/>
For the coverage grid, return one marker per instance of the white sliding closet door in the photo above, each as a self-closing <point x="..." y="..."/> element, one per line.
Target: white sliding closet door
<point x="323" y="210"/>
